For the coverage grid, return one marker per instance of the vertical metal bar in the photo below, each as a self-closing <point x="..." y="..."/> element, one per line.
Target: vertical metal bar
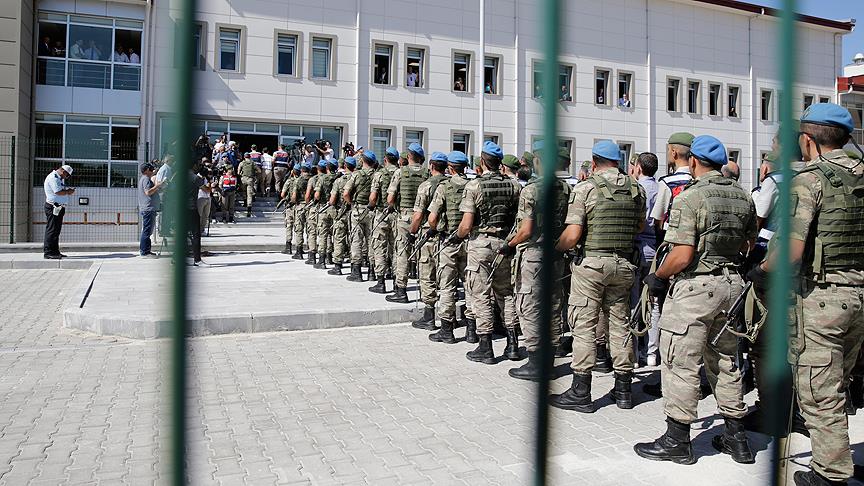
<point x="550" y="161"/>
<point x="777" y="369"/>
<point x="146" y="152"/>
<point x="12" y="193"/>
<point x="180" y="190"/>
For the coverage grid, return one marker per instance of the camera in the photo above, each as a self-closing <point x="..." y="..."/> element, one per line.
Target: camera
<point x="299" y="143"/>
<point x="321" y="143"/>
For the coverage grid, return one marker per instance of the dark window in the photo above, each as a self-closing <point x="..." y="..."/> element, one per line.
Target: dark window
<point x="713" y="99"/>
<point x="381" y="72"/>
<point x="673" y="89"/>
<point x="286" y="51"/>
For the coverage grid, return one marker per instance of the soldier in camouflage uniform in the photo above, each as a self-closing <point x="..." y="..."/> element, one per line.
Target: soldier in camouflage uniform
<point x="444" y="214"/>
<point x="287" y="190"/>
<point x="428" y="264"/>
<point x="297" y="198"/>
<point x="311" y="209"/>
<point x="383" y="221"/>
<point x="605" y="214"/>
<point x="711" y="222"/>
<point x="356" y="194"/>
<point x="248" y="172"/>
<point x="827" y="241"/>
<point x="401" y="195"/>
<point x="339" y="214"/>
<point x="325" y="217"/>
<point x="527" y="245"/>
<point x="489" y="213"/>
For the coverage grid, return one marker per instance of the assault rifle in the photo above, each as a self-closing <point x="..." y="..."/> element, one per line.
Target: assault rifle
<point x="738" y="317"/>
<point x="640" y="316"/>
<point x="419" y="244"/>
<point x="500" y="257"/>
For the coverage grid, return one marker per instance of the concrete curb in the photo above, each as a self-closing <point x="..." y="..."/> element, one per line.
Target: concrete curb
<point x="45" y="264"/>
<point x="130" y="247"/>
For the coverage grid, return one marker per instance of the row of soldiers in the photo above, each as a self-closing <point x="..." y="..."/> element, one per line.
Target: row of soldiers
<point x="487" y="232"/>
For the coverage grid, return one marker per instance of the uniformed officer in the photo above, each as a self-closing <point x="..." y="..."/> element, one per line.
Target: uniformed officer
<point x="297" y="198"/>
<point x="281" y="166"/>
<point x="247" y="177"/>
<point x="511" y="168"/>
<point x="444" y="214"/>
<point x="311" y="207"/>
<point x="489" y="214"/>
<point x="287" y="191"/>
<point x="605" y="214"/>
<point x="356" y="194"/>
<point x="827" y="242"/>
<point x="527" y="245"/>
<point x="339" y="212"/>
<point x="400" y="196"/>
<point x="384" y="220"/>
<point x="228" y="184"/>
<point x="325" y="218"/>
<point x="711" y="222"/>
<point x="670" y="185"/>
<point x="427" y="264"/>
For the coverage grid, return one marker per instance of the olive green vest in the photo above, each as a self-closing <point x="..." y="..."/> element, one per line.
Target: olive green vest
<point x="409" y="181"/>
<point x="614" y="221"/>
<point x="835" y="241"/>
<point x="246" y="169"/>
<point x="498" y="208"/>
<point x="433" y="186"/>
<point x="729" y="214"/>
<point x="312" y="181"/>
<point x="301" y="185"/>
<point x="561" y="197"/>
<point x="386" y="177"/>
<point x="327" y="186"/>
<point x="454" y="192"/>
<point x="362" y="186"/>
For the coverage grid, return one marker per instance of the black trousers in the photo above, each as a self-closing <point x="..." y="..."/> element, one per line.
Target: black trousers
<point x="53" y="225"/>
<point x="195" y="230"/>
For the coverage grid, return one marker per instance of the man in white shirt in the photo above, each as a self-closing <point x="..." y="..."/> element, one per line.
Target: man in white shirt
<point x="119" y="55"/>
<point x="677" y="155"/>
<point x="93" y="52"/>
<point x="412" y="79"/>
<point x="56" y="197"/>
<point x="267" y="168"/>
<point x="133" y="58"/>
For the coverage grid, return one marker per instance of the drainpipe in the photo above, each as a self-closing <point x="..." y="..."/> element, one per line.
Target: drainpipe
<point x="357" y="83"/>
<point x="517" y="135"/>
<point x="480" y="88"/>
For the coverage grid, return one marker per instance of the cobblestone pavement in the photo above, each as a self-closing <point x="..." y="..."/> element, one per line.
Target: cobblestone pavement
<point x="375" y="405"/>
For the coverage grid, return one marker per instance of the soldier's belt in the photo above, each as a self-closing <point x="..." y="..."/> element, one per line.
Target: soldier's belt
<point x="596" y="253"/>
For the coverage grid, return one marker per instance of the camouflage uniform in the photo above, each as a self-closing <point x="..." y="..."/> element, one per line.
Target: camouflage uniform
<point x="383" y="239"/>
<point x="428" y="267"/>
<point x="312" y="216"/>
<point x="340" y="222"/>
<point x="287" y="189"/>
<point x="300" y="215"/>
<point x="359" y="186"/>
<point x="247" y="177"/>
<point x="325" y="219"/>
<point x="825" y="343"/>
<point x="405" y="195"/>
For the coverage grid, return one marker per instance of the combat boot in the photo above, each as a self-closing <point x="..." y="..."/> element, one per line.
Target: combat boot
<point x="329" y="259"/>
<point x="577" y="397"/>
<point x="511" y="352"/>
<point x="603" y="362"/>
<point x="529" y="371"/>
<point x="733" y="441"/>
<point x="379" y="288"/>
<point x="249" y="212"/>
<point x="299" y="254"/>
<point x="371" y="276"/>
<point x="445" y="334"/>
<point x="483" y="353"/>
<point x="399" y="296"/>
<point x="856" y="391"/>
<point x="322" y="262"/>
<point x="621" y="392"/>
<point x="389" y="274"/>
<point x="673" y="446"/>
<point x="356" y="274"/>
<point x="427" y="322"/>
<point x="336" y="270"/>
<point x="287" y="249"/>
<point x="312" y="260"/>
<point x="471" y="331"/>
<point x="812" y="478"/>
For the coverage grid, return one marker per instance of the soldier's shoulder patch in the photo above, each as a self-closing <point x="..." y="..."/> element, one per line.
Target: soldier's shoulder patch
<point x="674" y="218"/>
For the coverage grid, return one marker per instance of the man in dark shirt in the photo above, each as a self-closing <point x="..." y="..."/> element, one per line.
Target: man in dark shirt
<point x="148" y="203"/>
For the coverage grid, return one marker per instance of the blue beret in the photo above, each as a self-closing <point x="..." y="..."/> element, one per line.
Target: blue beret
<point x="537" y="146"/>
<point x="368" y="154"/>
<point x="333" y="162"/>
<point x="322" y="164"/>
<point x="830" y="115"/>
<point x="297" y="167"/>
<point x="438" y="157"/>
<point x="417" y="149"/>
<point x="307" y="165"/>
<point x="457" y="158"/>
<point x="709" y="149"/>
<point x="492" y="148"/>
<point x="607" y="149"/>
<point x="350" y="161"/>
<point x="391" y="151"/>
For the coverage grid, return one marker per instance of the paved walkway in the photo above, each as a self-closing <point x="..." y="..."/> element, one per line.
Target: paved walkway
<point x="372" y="405"/>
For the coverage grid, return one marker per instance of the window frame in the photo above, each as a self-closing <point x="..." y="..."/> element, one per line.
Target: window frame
<point x="623" y="164"/>
<point x="606" y="100"/>
<point x="766" y="114"/>
<point x="678" y="95"/>
<point x="424" y="135"/>
<point x="424" y="66"/>
<point x="698" y="101"/>
<point x="469" y="82"/>
<point x="391" y="131"/>
<point x="298" y="49"/>
<point x="804" y="104"/>
<point x="499" y="85"/>
<point x="719" y="108"/>
<point x="201" y="51"/>
<point x="729" y="88"/>
<point x="394" y="54"/>
<point x="331" y="62"/>
<point x="825" y="99"/>
<point x="572" y="84"/>
<point x="469" y="143"/>
<point x="498" y="136"/>
<point x="630" y="88"/>
<point x="241" y="52"/>
<point x="737" y="152"/>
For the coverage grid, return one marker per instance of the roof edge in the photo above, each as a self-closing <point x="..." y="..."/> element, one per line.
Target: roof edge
<point x="843" y="25"/>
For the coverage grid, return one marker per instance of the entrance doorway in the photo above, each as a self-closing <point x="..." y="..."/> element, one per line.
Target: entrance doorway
<point x="245" y="142"/>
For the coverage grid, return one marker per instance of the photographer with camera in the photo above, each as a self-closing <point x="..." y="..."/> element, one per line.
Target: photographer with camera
<point x="348" y="150"/>
<point x="323" y="149"/>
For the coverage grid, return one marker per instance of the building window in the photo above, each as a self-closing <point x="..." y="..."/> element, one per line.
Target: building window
<point x="765" y="105"/>
<point x="713" y="99"/>
<point x="381" y="64"/>
<point x="490" y="75"/>
<point x="102" y="53"/>
<point x="197" y="46"/>
<point x="491" y="138"/>
<point x="380" y="140"/>
<point x="824" y="99"/>
<point x="673" y="94"/>
<point x="286" y="54"/>
<point x="601" y="87"/>
<point x="461" y="71"/>
<point x="808" y="100"/>
<point x="537" y="80"/>
<point x="415" y="61"/>
<point x="229" y="49"/>
<point x="565" y="83"/>
<point x="694" y="98"/>
<point x="734" y="91"/>
<point x="626" y="149"/>
<point x="625" y="90"/>
<point x="413" y="136"/>
<point x="321" y="48"/>
<point x="734" y="155"/>
<point x="461" y="142"/>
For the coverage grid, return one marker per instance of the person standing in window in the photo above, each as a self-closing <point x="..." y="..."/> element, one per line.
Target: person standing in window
<point x="412" y="79"/>
<point x="565" y="93"/>
<point x="77" y="50"/>
<point x="93" y="52"/>
<point x="133" y="58"/>
<point x="601" y="97"/>
<point x="56" y="197"/>
<point x="459" y="85"/>
<point x="45" y="46"/>
<point x="488" y="88"/>
<point x="148" y="203"/>
<point x="624" y="101"/>
<point x="119" y="55"/>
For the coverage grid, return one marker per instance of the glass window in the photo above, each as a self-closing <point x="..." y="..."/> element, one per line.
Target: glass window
<point x="124" y="143"/>
<point x="90" y="173"/>
<point x="334" y="136"/>
<point x="91" y="43"/>
<point x="51" y="72"/>
<point x="52" y="40"/>
<point x="626" y="150"/>
<point x="127" y="46"/>
<point x="290" y="130"/>
<point x="601" y="87"/>
<point x="490" y="138"/>
<point x="625" y="90"/>
<point x="380" y="140"/>
<point x="49" y="140"/>
<point x="734" y="155"/>
<point x="693" y="97"/>
<point x="824" y="99"/>
<point x="713" y="99"/>
<point x="286" y="51"/>
<point x="461" y="142"/>
<point x="198" y="46"/>
<point x="124" y="174"/>
<point x="381" y="65"/>
<point x="127" y="78"/>
<point x="86" y="142"/>
<point x="537" y="81"/>
<point x="413" y="136"/>
<point x="321" y="58"/>
<point x="733" y="101"/>
<point x="414" y="61"/>
<point x="461" y="71"/>
<point x="565" y="81"/>
<point x="490" y="75"/>
<point x="89" y="75"/>
<point x="229" y="49"/>
<point x="808" y="100"/>
<point x="765" y="107"/>
<point x="673" y="90"/>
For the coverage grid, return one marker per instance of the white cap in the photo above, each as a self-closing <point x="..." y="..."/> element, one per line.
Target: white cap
<point x="67" y="168"/>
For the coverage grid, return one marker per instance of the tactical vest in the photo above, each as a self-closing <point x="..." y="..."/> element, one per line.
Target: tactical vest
<point x="311" y="184"/>
<point x="255" y="157"/>
<point x="498" y="208"/>
<point x="559" y="206"/>
<point x="614" y="221"/>
<point x="727" y="207"/>
<point x="835" y="241"/>
<point x="280" y="158"/>
<point x="386" y="177"/>
<point x="247" y="169"/>
<point x="454" y="192"/>
<point x="409" y="182"/>
<point x="362" y="186"/>
<point x="326" y="187"/>
<point x="229" y="183"/>
<point x="434" y="181"/>
<point x="300" y="186"/>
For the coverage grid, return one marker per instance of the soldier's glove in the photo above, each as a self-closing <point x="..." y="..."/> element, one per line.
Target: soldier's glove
<point x="759" y="277"/>
<point x="506" y="250"/>
<point x="390" y="210"/>
<point x="410" y="239"/>
<point x="657" y="286"/>
<point x="370" y="207"/>
<point x="430" y="233"/>
<point x="453" y="239"/>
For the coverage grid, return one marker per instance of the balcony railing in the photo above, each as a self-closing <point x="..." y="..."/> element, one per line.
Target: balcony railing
<point x="88" y="74"/>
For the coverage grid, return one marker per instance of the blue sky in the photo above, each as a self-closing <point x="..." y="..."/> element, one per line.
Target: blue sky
<point x="837" y="10"/>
